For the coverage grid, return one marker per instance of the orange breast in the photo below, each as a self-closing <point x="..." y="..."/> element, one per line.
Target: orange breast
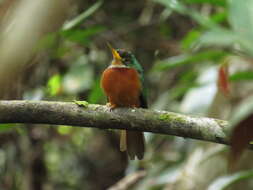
<point x="122" y="86"/>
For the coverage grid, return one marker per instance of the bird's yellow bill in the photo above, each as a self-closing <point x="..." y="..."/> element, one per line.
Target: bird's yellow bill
<point x="116" y="56"/>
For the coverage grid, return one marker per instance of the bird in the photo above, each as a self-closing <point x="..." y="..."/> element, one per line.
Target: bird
<point x="123" y="84"/>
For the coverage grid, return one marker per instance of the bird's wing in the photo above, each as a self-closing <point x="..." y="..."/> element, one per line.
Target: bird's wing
<point x="143" y="101"/>
<point x="143" y="95"/>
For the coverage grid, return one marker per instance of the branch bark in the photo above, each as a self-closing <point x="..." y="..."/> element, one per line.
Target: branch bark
<point x="98" y="116"/>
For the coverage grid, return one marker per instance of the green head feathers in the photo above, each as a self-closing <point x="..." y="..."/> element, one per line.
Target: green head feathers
<point x="129" y="60"/>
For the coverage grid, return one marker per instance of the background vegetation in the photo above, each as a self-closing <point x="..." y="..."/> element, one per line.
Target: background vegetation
<point x="197" y="57"/>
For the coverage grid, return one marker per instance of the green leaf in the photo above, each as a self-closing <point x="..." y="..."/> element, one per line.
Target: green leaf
<point x="82" y="36"/>
<point x="243" y="75"/>
<point x="81" y="103"/>
<point x="220" y="17"/>
<point x="212" y="2"/>
<point x="195" y="36"/>
<point x="190" y="38"/>
<point x="64" y="130"/>
<point x="80" y="18"/>
<point x="6" y="127"/>
<point x="179" y="7"/>
<point x="223" y="183"/>
<point x="218" y="37"/>
<point x="54" y="85"/>
<point x="176" y="61"/>
<point x="241" y="19"/>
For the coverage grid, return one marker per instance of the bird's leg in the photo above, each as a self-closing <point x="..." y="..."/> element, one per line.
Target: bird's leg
<point x="134" y="106"/>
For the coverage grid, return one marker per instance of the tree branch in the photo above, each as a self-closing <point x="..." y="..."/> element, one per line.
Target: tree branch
<point x="97" y="116"/>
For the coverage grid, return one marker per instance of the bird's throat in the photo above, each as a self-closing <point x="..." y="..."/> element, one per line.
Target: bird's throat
<point x="116" y="62"/>
<point x="118" y="66"/>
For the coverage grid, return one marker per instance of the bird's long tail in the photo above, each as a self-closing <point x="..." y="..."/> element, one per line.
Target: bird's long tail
<point x="133" y="143"/>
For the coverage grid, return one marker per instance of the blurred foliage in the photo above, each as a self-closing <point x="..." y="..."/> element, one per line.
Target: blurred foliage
<point x="181" y="45"/>
<point x="224" y="182"/>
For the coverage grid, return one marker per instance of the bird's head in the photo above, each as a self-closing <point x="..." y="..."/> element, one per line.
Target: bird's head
<point x="121" y="57"/>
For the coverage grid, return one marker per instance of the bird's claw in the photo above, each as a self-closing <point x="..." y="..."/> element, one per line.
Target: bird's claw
<point x="111" y="106"/>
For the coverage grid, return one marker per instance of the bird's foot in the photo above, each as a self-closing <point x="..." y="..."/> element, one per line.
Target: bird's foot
<point x="111" y="106"/>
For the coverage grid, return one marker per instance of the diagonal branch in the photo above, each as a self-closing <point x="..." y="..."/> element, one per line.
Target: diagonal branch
<point x="97" y="116"/>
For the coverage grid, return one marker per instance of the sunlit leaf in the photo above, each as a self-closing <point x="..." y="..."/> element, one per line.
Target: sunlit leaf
<point x="54" y="85"/>
<point x="80" y="18"/>
<point x="222" y="183"/>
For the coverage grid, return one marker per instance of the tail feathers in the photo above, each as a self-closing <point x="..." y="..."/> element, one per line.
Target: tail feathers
<point x="133" y="143"/>
<point x="123" y="141"/>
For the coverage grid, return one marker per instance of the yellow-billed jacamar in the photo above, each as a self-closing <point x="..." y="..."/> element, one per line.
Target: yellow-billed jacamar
<point x="123" y="83"/>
